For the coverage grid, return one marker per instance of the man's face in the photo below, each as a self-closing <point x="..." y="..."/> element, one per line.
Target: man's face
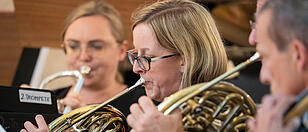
<point x="252" y="35"/>
<point x="278" y="67"/>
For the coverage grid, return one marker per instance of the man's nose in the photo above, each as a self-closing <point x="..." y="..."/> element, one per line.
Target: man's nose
<point x="252" y="37"/>
<point x="265" y="75"/>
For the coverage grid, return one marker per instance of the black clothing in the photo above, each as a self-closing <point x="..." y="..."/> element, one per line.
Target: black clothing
<point x="61" y="92"/>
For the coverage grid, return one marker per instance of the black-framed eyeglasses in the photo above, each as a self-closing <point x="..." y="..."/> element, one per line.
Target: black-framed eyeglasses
<point x="143" y="61"/>
<point x="252" y="24"/>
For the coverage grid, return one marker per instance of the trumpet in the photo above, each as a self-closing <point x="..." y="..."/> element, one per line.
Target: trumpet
<point x="212" y="106"/>
<point x="84" y="70"/>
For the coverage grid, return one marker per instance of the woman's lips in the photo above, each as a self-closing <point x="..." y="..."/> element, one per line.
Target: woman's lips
<point x="91" y="73"/>
<point x="147" y="84"/>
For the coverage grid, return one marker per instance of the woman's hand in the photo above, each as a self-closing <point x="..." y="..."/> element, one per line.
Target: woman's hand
<point x="145" y="117"/>
<point x="25" y="86"/>
<point x="71" y="100"/>
<point x="40" y="121"/>
<point x="269" y="117"/>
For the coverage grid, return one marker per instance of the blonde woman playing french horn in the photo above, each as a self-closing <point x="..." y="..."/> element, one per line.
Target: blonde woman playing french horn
<point x="176" y="45"/>
<point x="94" y="35"/>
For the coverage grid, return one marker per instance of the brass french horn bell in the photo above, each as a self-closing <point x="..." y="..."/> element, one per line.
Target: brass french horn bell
<point x="213" y="106"/>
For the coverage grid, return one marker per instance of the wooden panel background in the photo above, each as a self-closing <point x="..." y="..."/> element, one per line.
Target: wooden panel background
<point x="37" y="23"/>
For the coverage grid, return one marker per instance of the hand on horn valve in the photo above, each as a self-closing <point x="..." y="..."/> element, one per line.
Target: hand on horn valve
<point x="145" y="117"/>
<point x="71" y="100"/>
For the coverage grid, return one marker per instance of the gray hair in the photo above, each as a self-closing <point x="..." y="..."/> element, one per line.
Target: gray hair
<point x="289" y="21"/>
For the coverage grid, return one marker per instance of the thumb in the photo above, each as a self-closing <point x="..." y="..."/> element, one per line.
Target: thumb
<point x="25" y="86"/>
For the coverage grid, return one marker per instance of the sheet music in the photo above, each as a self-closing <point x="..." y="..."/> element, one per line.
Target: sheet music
<point x="2" y="129"/>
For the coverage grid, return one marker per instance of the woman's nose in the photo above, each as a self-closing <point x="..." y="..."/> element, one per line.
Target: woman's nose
<point x="84" y="55"/>
<point x="136" y="68"/>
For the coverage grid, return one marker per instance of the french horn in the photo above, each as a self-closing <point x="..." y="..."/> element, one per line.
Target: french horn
<point x="96" y="118"/>
<point x="298" y="109"/>
<point x="211" y="106"/>
<point x="215" y="105"/>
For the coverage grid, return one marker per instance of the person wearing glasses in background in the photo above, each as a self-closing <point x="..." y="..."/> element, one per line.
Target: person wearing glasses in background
<point x="176" y="45"/>
<point x="94" y="35"/>
<point x="281" y="39"/>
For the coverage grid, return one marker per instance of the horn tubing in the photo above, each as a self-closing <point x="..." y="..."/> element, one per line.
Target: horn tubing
<point x="163" y="107"/>
<point x="297" y="111"/>
<point x="72" y="122"/>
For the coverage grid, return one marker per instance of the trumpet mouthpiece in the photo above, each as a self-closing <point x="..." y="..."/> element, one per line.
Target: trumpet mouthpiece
<point x="84" y="70"/>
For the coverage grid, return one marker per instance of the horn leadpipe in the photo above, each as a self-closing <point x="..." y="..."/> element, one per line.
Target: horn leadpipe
<point x="72" y="122"/>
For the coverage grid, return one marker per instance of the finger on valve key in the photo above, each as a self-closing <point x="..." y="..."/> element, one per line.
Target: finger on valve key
<point x="25" y="86"/>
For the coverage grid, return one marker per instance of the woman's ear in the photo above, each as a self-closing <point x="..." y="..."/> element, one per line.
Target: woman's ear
<point x="182" y="63"/>
<point x="63" y="47"/>
<point x="123" y="49"/>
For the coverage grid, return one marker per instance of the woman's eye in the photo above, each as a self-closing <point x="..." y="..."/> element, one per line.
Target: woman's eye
<point x="147" y="57"/>
<point x="96" y="46"/>
<point x="73" y="46"/>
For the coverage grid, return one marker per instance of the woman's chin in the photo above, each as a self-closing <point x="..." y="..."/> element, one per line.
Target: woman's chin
<point x="87" y="83"/>
<point x="153" y="96"/>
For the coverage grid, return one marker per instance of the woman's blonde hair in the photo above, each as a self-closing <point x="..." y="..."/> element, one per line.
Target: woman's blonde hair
<point x="103" y="9"/>
<point x="186" y="28"/>
<point x="99" y="8"/>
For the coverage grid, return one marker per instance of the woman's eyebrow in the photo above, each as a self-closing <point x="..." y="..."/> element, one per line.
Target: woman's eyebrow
<point x="72" y="40"/>
<point x="97" y="40"/>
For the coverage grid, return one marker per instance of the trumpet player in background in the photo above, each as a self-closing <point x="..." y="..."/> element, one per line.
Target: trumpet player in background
<point x="281" y="39"/>
<point x="176" y="45"/>
<point x="93" y="35"/>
